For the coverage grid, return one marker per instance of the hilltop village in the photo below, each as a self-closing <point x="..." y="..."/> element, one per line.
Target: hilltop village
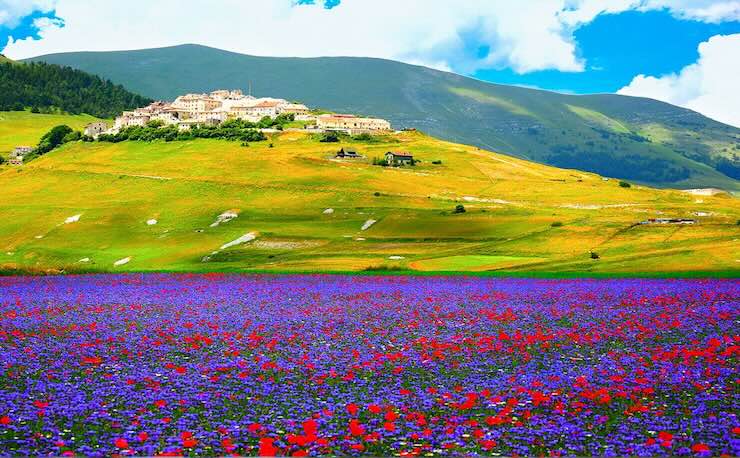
<point x="218" y="106"/>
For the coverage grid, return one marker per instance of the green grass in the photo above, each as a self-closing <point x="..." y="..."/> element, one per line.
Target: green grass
<point x="19" y="128"/>
<point x="281" y="194"/>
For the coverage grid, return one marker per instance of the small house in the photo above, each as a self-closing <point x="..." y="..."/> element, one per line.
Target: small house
<point x="397" y="158"/>
<point x="96" y="128"/>
<point x="16" y="156"/>
<point x="347" y="154"/>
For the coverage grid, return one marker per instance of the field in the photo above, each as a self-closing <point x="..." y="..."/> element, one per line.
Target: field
<point x="19" y="128"/>
<point x="85" y="207"/>
<point x="337" y="365"/>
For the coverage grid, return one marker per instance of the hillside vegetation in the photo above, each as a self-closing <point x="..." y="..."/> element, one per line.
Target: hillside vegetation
<point x="51" y="88"/>
<point x="23" y="128"/>
<point x="625" y="137"/>
<point x="286" y="204"/>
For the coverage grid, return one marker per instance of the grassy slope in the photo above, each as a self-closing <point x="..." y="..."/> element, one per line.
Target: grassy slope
<point x="598" y="132"/>
<point x="282" y="192"/>
<point x="26" y="128"/>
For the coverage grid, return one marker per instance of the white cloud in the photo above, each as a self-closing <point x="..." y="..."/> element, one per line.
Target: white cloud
<point x="709" y="86"/>
<point x="525" y="35"/>
<point x="12" y="11"/>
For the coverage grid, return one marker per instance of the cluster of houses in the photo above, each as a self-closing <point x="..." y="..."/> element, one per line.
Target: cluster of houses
<point x="392" y="158"/>
<point x="19" y="152"/>
<point x="218" y="106"/>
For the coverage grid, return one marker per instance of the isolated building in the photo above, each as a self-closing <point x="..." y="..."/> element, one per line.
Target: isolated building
<point x="16" y="156"/>
<point x="95" y="128"/>
<point x="397" y="158"/>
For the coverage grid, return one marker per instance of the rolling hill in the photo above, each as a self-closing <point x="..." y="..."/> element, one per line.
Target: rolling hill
<point x="286" y="204"/>
<point x="632" y="138"/>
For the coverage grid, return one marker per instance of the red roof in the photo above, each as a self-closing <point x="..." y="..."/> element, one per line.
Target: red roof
<point x="400" y="154"/>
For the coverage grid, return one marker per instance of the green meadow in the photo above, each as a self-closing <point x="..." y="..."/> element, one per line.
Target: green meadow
<point x="306" y="210"/>
<point x="23" y="128"/>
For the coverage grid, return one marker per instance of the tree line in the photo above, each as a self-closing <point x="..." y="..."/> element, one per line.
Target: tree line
<point x="47" y="88"/>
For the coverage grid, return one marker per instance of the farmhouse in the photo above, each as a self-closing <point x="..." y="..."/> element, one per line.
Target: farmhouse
<point x="16" y="156"/>
<point x="96" y="128"/>
<point x="351" y="124"/>
<point x="347" y="154"/>
<point x="397" y="158"/>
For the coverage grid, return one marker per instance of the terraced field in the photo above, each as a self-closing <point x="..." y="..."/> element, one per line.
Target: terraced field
<point x="154" y="206"/>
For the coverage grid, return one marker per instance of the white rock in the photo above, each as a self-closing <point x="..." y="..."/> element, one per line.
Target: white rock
<point x="72" y="219"/>
<point x="224" y="217"/>
<point x="151" y="222"/>
<point x="368" y="223"/>
<point x="84" y="260"/>
<point x="328" y="211"/>
<point x="39" y="237"/>
<point x="243" y="239"/>
<point x="396" y="258"/>
<point x="123" y="261"/>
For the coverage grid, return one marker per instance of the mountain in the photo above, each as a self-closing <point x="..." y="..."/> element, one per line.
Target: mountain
<point x="632" y="138"/>
<point x="49" y="88"/>
<point x="186" y="205"/>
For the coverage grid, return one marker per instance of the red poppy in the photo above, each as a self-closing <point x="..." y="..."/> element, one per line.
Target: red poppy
<point x="352" y="409"/>
<point x="143" y="436"/>
<point x="310" y="427"/>
<point x="355" y="428"/>
<point x="5" y="420"/>
<point x="121" y="443"/>
<point x="699" y="448"/>
<point x="267" y="447"/>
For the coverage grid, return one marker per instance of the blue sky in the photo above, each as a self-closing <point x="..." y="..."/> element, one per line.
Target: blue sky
<point x="616" y="47"/>
<point x="665" y="49"/>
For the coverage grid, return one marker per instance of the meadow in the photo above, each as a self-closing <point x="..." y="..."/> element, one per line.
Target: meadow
<point x="168" y="206"/>
<point x="25" y="128"/>
<point x="335" y="365"/>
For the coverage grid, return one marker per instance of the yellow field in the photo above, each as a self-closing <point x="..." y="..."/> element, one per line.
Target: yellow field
<point x="283" y="194"/>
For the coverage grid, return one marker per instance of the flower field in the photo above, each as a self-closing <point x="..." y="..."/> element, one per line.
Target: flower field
<point x="310" y="365"/>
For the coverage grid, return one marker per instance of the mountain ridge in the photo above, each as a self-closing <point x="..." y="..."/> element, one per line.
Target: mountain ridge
<point x="633" y="138"/>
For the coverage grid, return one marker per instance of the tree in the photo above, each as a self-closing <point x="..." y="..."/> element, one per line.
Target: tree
<point x="624" y="184"/>
<point x="460" y="208"/>
<point x="329" y="137"/>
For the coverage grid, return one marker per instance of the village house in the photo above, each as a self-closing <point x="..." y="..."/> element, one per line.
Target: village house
<point x="95" y="128"/>
<point x="16" y="156"/>
<point x="296" y="109"/>
<point x="351" y="124"/>
<point x="398" y="158"/>
<point x="347" y="154"/>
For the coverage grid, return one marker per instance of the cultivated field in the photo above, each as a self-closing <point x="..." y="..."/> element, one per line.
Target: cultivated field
<point x="321" y="365"/>
<point x="136" y="206"/>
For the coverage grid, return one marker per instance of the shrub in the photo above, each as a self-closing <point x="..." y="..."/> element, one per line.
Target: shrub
<point x="556" y="224"/>
<point x="437" y="162"/>
<point x="459" y="208"/>
<point x="329" y="137"/>
<point x="381" y="162"/>
<point x="364" y="138"/>
<point x="624" y="184"/>
<point x="377" y="194"/>
<point x="594" y="255"/>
